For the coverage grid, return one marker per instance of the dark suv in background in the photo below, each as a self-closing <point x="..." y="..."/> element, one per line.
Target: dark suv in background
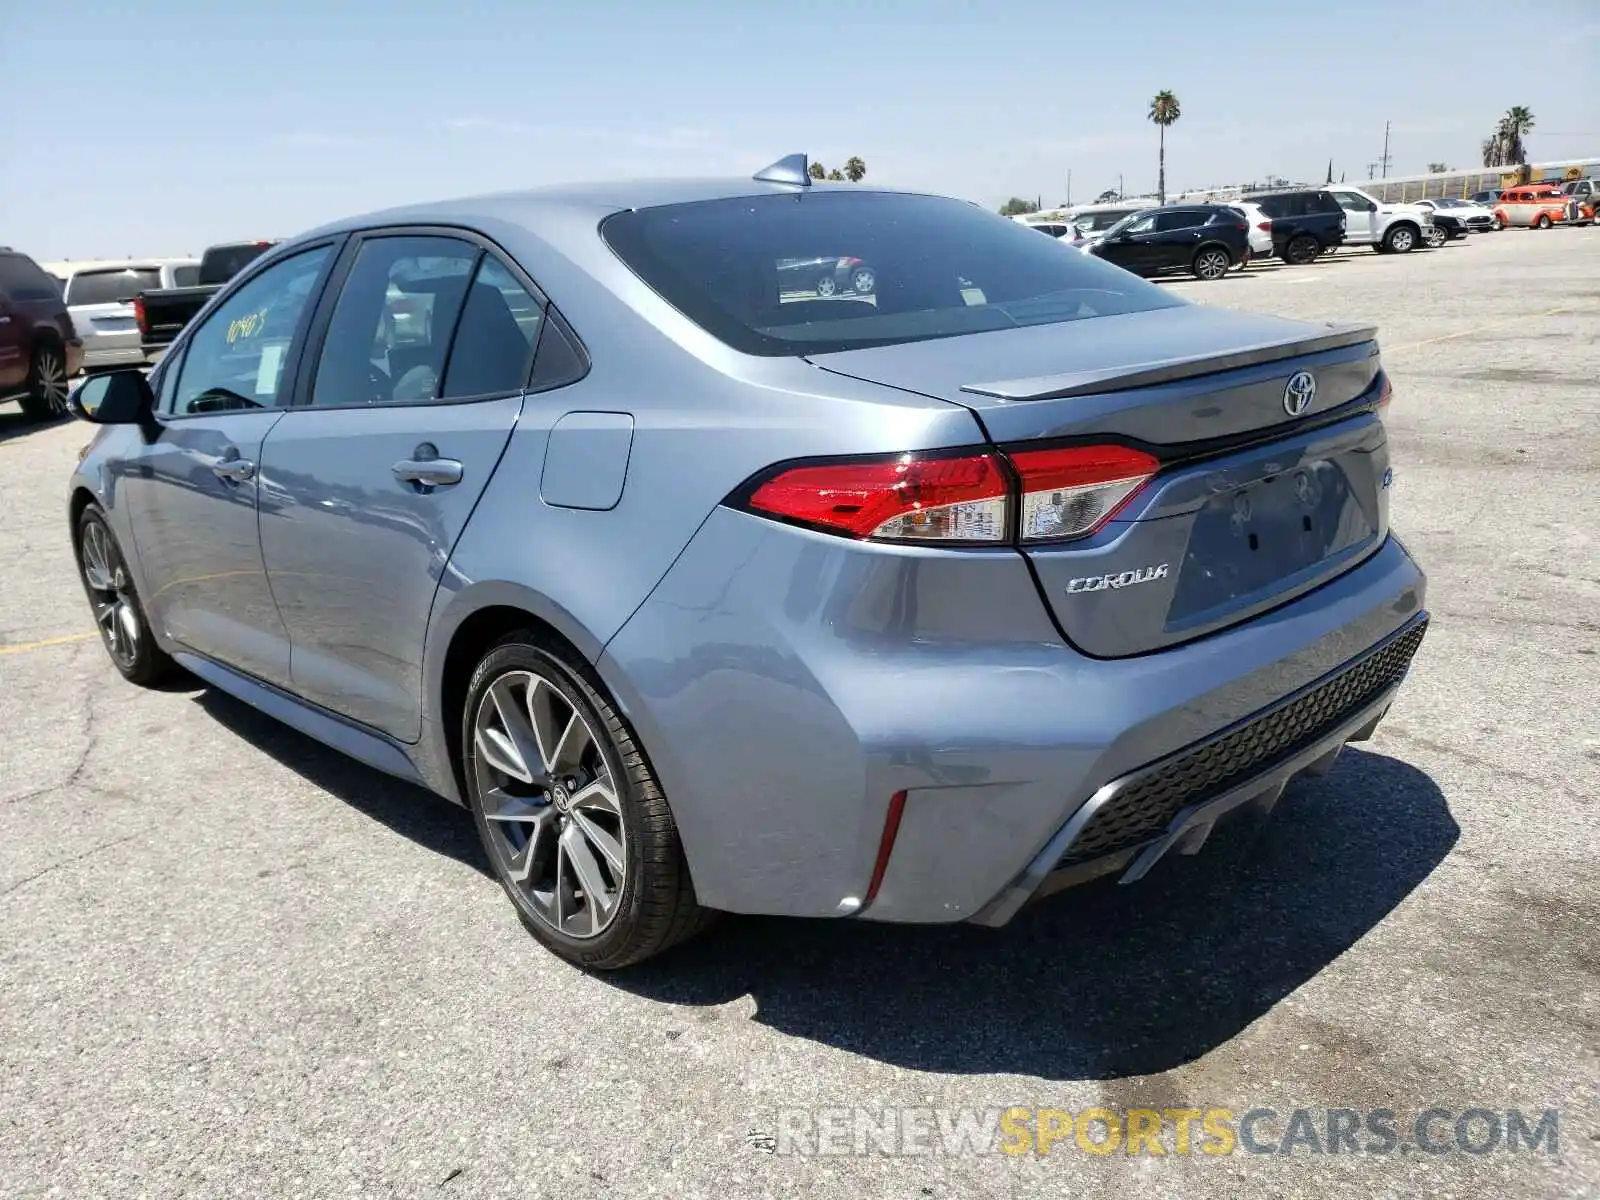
<point x="1207" y="240"/>
<point x="39" y="348"/>
<point x="1304" y="223"/>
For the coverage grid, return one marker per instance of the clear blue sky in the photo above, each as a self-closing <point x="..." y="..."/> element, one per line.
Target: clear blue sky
<point x="158" y="126"/>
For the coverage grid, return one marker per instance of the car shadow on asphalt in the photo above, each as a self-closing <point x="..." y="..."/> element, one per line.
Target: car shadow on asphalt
<point x="15" y="423"/>
<point x="409" y="810"/>
<point x="1102" y="981"/>
<point x="1099" y="982"/>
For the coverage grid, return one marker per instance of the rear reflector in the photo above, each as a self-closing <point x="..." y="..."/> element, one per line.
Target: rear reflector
<point x="1073" y="491"/>
<point x="905" y="498"/>
<point x="891" y="829"/>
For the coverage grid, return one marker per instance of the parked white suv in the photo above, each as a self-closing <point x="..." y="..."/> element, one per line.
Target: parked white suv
<point x="1391" y="228"/>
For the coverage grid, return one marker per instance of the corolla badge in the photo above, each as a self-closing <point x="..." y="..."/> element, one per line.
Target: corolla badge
<point x="1299" y="392"/>
<point x="1117" y="579"/>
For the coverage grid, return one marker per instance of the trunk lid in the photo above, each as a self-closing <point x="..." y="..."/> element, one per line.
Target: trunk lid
<point x="1254" y="504"/>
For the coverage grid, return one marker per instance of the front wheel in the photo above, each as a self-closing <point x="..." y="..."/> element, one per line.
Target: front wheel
<point x="1211" y="263"/>
<point x="46" y="397"/>
<point x="1499" y="222"/>
<point x="1543" y="222"/>
<point x="826" y="286"/>
<point x="1435" y="237"/>
<point x="571" y="816"/>
<point x="115" y="604"/>
<point x="1402" y="239"/>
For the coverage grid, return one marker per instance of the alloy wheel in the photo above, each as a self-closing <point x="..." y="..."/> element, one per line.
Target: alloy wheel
<point x="110" y="594"/>
<point x="863" y="282"/>
<point x="1212" y="264"/>
<point x="51" y="375"/>
<point x="1400" y="241"/>
<point x="551" y="803"/>
<point x="826" y="286"/>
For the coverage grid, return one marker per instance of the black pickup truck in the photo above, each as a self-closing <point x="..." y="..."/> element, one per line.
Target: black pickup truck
<point x="162" y="314"/>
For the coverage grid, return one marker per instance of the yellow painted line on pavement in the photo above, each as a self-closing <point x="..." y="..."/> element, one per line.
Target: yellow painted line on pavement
<point x="45" y="644"/>
<point x="1448" y="337"/>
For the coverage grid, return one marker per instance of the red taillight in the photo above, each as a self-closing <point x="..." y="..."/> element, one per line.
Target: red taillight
<point x="138" y="314"/>
<point x="1060" y="493"/>
<point x="1264" y="226"/>
<point x="1385" y="394"/>
<point x="905" y="498"/>
<point x="1073" y="491"/>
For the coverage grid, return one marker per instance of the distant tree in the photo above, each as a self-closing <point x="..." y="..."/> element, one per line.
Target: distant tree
<point x="1438" y="168"/>
<point x="1505" y="146"/>
<point x="1107" y="196"/>
<point x="1017" y="206"/>
<point x="818" y="171"/>
<point x="855" y="168"/>
<point x="836" y="176"/>
<point x="1164" y="111"/>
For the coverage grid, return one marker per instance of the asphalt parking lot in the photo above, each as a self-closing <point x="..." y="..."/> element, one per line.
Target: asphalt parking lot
<point x="233" y="963"/>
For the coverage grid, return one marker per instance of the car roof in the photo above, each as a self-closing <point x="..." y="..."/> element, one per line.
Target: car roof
<point x="596" y="200"/>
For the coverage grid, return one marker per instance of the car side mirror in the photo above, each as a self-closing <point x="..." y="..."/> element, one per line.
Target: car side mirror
<point x="115" y="398"/>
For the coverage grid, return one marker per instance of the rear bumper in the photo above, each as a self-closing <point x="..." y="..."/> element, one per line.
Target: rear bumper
<point x="1132" y="822"/>
<point x="786" y="685"/>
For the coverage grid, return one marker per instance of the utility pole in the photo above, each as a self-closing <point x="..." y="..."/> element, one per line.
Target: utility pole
<point x="1385" y="159"/>
<point x="1120" y="192"/>
<point x="1069" y="187"/>
<point x="1372" y="170"/>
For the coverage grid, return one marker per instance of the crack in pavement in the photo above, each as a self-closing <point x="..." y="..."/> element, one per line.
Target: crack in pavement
<point x="67" y="862"/>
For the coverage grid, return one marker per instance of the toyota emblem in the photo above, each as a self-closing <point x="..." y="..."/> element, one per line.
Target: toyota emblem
<point x="1299" y="392"/>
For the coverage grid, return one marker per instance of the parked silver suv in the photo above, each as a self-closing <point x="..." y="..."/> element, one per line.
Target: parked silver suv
<point x="100" y="298"/>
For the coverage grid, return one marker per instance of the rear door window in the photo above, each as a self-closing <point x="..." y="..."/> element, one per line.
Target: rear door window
<point x="495" y="338"/>
<point x="1183" y="218"/>
<point x="116" y="286"/>
<point x="392" y="325"/>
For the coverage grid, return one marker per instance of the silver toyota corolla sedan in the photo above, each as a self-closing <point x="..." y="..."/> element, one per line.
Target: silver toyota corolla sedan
<point x="703" y="591"/>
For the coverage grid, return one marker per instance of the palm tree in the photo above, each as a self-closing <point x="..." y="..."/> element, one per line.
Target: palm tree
<point x="1504" y="147"/>
<point x="855" y="168"/>
<point x="817" y="171"/>
<point x="1517" y="124"/>
<point x="835" y="176"/>
<point x="1164" y="111"/>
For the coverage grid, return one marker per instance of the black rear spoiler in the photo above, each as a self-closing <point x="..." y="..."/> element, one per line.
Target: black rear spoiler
<point x="1121" y="379"/>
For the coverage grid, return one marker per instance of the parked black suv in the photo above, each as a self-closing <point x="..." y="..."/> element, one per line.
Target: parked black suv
<point x="39" y="348"/>
<point x="1206" y="239"/>
<point x="1304" y="223"/>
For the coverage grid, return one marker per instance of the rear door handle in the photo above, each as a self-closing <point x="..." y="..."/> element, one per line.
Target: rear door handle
<point x="233" y="468"/>
<point x="426" y="469"/>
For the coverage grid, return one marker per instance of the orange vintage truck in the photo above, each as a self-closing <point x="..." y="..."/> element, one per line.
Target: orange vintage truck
<point x="1537" y="206"/>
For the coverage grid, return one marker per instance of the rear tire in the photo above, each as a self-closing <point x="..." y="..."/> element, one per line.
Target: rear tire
<point x="46" y="397"/>
<point x="124" y="629"/>
<point x="1211" y="263"/>
<point x="646" y="902"/>
<point x="1302" y="249"/>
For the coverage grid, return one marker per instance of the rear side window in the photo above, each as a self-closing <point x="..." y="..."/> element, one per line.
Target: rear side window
<point x="22" y="281"/>
<point x="111" y="286"/>
<point x="185" y="276"/>
<point x="817" y="272"/>
<point x="1183" y="218"/>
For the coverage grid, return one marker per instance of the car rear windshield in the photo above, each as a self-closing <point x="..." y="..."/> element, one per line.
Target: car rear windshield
<point x="111" y="286"/>
<point x="818" y="272"/>
<point x="221" y="263"/>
